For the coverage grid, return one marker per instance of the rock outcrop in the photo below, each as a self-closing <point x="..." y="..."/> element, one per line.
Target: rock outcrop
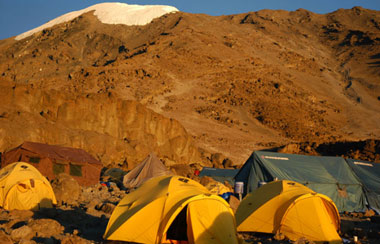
<point x="114" y="130"/>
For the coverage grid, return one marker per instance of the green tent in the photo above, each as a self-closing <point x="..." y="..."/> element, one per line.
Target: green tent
<point x="330" y="176"/>
<point x="220" y="175"/>
<point x="369" y="175"/>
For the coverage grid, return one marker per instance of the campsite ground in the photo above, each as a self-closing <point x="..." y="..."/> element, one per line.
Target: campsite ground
<point x="365" y="226"/>
<point x="85" y="219"/>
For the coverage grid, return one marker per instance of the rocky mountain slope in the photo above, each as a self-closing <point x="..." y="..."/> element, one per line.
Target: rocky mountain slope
<point x="192" y="86"/>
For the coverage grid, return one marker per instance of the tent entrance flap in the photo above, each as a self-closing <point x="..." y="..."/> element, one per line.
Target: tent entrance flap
<point x="204" y="224"/>
<point x="178" y="228"/>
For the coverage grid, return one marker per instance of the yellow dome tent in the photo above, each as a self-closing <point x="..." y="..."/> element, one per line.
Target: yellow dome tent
<point x="23" y="187"/>
<point x="172" y="208"/>
<point x="291" y="209"/>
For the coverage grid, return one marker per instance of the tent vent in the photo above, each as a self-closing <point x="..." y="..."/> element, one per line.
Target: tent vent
<point x="32" y="182"/>
<point x="183" y="180"/>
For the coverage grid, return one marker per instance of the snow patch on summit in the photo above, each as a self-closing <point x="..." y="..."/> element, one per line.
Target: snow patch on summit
<point x="111" y="13"/>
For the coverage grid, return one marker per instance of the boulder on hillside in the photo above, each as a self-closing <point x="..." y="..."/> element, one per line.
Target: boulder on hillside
<point x="66" y="189"/>
<point x="228" y="164"/>
<point x="369" y="213"/>
<point x="234" y="202"/>
<point x="217" y="159"/>
<point x="23" y="241"/>
<point x="4" y="238"/>
<point x="22" y="233"/>
<point x="21" y="215"/>
<point x="183" y="170"/>
<point x="206" y="180"/>
<point x="290" y="148"/>
<point x="74" y="239"/>
<point x="46" y="227"/>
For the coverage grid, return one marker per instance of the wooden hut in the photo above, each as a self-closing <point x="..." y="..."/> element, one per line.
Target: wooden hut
<point x="52" y="160"/>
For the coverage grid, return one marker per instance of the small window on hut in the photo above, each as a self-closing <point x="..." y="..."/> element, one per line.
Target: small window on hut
<point x="35" y="160"/>
<point x="58" y="168"/>
<point x="75" y="170"/>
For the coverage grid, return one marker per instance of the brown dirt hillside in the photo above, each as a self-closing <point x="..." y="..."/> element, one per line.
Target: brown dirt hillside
<point x="234" y="83"/>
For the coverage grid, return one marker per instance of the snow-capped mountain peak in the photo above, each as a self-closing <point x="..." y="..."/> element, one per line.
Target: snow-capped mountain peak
<point x="111" y="13"/>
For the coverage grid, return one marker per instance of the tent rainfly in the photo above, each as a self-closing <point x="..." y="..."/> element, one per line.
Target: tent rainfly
<point x="291" y="209"/>
<point x="150" y="167"/>
<point x="23" y="187"/>
<point x="51" y="160"/>
<point x="369" y="175"/>
<point x="330" y="176"/>
<point x="172" y="208"/>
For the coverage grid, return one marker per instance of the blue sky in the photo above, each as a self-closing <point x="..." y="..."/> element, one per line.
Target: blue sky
<point x="18" y="16"/>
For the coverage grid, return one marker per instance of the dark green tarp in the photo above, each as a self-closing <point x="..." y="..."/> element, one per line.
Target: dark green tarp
<point x="330" y="176"/>
<point x="369" y="175"/>
<point x="220" y="175"/>
<point x="115" y="175"/>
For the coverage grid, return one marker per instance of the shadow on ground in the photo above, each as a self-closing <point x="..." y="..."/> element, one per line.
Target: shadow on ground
<point x="77" y="220"/>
